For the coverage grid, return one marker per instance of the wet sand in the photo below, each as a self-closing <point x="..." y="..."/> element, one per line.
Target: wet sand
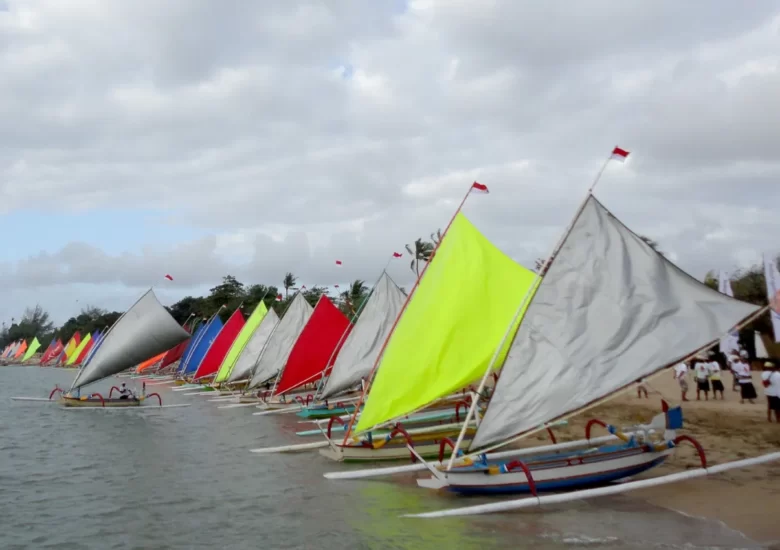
<point x="747" y="499"/>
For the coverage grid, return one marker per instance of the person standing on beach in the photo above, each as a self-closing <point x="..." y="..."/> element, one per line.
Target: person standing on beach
<point x="713" y="368"/>
<point x="641" y="388"/>
<point x="771" y="381"/>
<point x="681" y="375"/>
<point x="701" y="373"/>
<point x="733" y="359"/>
<point x="746" y="388"/>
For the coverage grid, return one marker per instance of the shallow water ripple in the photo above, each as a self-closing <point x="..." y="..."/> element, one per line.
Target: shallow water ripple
<point x="183" y="478"/>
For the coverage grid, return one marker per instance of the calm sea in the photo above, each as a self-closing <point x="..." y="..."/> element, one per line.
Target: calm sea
<point x="184" y="478"/>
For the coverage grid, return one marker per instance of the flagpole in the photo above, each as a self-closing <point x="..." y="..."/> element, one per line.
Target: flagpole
<point x="370" y="377"/>
<point x="520" y="308"/>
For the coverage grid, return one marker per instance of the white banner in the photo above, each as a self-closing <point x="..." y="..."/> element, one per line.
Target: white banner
<point x="773" y="293"/>
<point x="731" y="342"/>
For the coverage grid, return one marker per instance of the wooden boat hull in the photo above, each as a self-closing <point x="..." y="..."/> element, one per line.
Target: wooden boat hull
<point x="564" y="471"/>
<point x="355" y="453"/>
<point x="95" y="402"/>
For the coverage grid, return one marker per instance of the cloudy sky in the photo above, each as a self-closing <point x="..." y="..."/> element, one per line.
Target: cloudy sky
<point x="199" y="138"/>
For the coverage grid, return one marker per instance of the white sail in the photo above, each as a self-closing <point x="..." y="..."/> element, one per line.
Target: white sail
<point x="143" y="331"/>
<point x="609" y="311"/>
<point x="248" y="356"/>
<point x="362" y="346"/>
<point x="758" y="343"/>
<point x="280" y="343"/>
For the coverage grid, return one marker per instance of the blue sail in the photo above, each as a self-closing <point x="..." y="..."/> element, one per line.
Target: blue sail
<point x="191" y="345"/>
<point x="97" y="339"/>
<point x="209" y="335"/>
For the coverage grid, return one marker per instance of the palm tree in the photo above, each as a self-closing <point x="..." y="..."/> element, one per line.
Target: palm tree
<point x="354" y="295"/>
<point x="421" y="253"/>
<point x="288" y="283"/>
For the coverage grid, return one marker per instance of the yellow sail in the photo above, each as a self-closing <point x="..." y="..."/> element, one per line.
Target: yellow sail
<point x="32" y="349"/>
<point x="77" y="352"/>
<point x="450" y="328"/>
<point x="240" y="342"/>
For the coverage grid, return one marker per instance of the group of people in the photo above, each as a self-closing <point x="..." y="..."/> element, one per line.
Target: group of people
<point x="708" y="372"/>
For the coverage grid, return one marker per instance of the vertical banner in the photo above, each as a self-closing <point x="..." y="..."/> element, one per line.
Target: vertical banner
<point x="773" y="293"/>
<point x="731" y="342"/>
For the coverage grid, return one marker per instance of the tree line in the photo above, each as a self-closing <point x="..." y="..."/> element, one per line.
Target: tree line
<point x="230" y="293"/>
<point x="748" y="285"/>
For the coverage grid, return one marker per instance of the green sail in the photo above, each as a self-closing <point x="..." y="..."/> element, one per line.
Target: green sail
<point x="240" y="342"/>
<point x="451" y="327"/>
<point x="32" y="349"/>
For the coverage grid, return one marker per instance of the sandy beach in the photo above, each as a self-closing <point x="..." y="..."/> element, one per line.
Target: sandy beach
<point x="745" y="500"/>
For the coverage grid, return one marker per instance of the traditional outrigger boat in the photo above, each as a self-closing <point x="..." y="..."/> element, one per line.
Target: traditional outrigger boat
<point x="143" y="331"/>
<point x="650" y="316"/>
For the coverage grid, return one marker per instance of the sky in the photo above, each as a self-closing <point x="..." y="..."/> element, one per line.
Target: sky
<point x="201" y="138"/>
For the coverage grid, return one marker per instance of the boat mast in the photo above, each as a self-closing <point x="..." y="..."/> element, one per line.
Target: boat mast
<point x="520" y="308"/>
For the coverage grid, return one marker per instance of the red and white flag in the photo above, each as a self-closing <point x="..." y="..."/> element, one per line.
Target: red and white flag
<point x="338" y="262"/>
<point x="477" y="187"/>
<point x="397" y="255"/>
<point x="619" y="154"/>
<point x="278" y="297"/>
<point x="303" y="287"/>
<point x="168" y="277"/>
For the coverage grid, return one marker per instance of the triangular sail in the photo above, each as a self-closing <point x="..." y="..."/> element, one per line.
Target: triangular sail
<point x="249" y="328"/>
<point x="190" y="349"/>
<point x="772" y="277"/>
<point x="143" y="331"/>
<point x="202" y="345"/>
<point x="280" y="343"/>
<point x="53" y="352"/>
<point x="79" y="351"/>
<point x="21" y="350"/>
<point x="176" y="353"/>
<point x="34" y="345"/>
<point x="248" y="357"/>
<point x="220" y="346"/>
<point x="361" y="348"/>
<point x="97" y="339"/>
<point x="609" y="311"/>
<point x="316" y="348"/>
<point x="451" y="326"/>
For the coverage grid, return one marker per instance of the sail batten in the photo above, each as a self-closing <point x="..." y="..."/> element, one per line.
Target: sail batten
<point x="609" y="311"/>
<point x="143" y="331"/>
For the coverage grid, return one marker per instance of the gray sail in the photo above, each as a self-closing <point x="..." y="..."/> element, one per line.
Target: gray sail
<point x="248" y="356"/>
<point x="143" y="331"/>
<point x="609" y="311"/>
<point x="362" y="346"/>
<point x="280" y="344"/>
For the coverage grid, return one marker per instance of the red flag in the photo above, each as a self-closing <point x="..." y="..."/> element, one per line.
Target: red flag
<point x="397" y="255"/>
<point x="338" y="262"/>
<point x="335" y="286"/>
<point x="278" y="297"/>
<point x="303" y="287"/>
<point x="479" y="188"/>
<point x="619" y="154"/>
<point x="168" y="277"/>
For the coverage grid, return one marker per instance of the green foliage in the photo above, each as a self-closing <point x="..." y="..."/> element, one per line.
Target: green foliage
<point x="420" y="252"/>
<point x="89" y="320"/>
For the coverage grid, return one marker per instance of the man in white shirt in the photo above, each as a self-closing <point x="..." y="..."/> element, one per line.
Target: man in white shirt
<point x="701" y="372"/>
<point x="770" y="378"/>
<point x="714" y="375"/>
<point x="681" y="375"/>
<point x="744" y="377"/>
<point x="125" y="392"/>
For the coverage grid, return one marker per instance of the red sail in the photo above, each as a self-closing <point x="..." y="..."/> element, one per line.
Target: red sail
<point x="175" y="353"/>
<point x="85" y="351"/>
<point x="317" y="346"/>
<point x="221" y="345"/>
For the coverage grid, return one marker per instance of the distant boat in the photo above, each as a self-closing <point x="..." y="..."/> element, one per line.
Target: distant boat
<point x="143" y="331"/>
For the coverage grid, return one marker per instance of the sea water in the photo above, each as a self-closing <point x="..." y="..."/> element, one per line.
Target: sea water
<point x="184" y="478"/>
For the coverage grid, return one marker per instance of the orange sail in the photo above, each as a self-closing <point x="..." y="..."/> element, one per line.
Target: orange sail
<point x="150" y="362"/>
<point x="21" y="350"/>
